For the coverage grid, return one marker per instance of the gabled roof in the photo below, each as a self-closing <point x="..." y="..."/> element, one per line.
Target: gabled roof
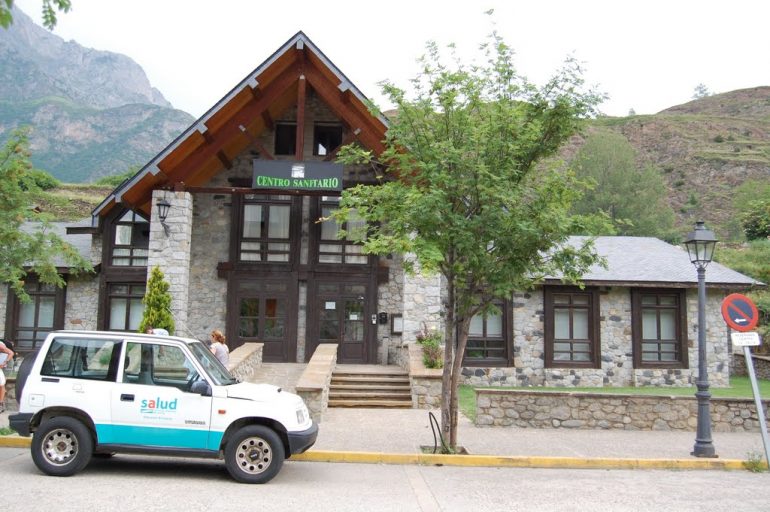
<point x="80" y="241"/>
<point x="647" y="261"/>
<point x="226" y="129"/>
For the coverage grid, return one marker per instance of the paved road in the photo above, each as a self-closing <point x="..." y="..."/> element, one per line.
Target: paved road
<point x="132" y="483"/>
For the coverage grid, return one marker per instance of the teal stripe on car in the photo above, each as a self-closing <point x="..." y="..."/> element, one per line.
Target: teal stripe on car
<point x="156" y="436"/>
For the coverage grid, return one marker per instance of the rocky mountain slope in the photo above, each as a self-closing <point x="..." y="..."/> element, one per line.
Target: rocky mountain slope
<point x="92" y="113"/>
<point x="704" y="149"/>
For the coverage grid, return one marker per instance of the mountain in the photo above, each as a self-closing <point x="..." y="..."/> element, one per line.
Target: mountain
<point x="92" y="113"/>
<point x="705" y="149"/>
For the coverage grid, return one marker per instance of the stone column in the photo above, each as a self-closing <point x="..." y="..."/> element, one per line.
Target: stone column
<point x="170" y="251"/>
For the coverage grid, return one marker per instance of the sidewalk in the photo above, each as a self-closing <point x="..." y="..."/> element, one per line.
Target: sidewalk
<point x="398" y="435"/>
<point x="406" y="430"/>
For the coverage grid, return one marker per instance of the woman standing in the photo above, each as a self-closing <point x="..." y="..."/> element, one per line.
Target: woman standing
<point x="218" y="347"/>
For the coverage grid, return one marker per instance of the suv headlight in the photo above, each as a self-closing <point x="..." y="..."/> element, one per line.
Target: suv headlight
<point x="302" y="415"/>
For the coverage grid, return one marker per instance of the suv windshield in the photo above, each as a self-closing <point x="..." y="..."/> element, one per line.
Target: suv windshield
<point x="216" y="370"/>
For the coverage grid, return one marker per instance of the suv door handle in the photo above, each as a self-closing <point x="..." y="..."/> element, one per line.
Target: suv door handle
<point x="126" y="398"/>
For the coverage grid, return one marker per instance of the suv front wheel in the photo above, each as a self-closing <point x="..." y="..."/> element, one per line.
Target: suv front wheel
<point x="62" y="446"/>
<point x="254" y="454"/>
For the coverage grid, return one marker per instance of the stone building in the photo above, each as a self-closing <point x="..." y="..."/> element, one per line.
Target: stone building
<point x="230" y="210"/>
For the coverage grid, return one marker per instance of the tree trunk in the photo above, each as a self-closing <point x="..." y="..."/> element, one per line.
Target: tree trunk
<point x="446" y="375"/>
<point x="462" y="341"/>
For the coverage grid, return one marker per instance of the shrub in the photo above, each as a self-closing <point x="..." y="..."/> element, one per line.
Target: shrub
<point x="756" y="220"/>
<point x="43" y="180"/>
<point x="432" y="354"/>
<point x="719" y="138"/>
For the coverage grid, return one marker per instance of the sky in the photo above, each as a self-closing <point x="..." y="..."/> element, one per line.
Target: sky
<point x="644" y="55"/>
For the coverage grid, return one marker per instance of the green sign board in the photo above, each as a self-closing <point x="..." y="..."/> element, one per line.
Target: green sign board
<point x="287" y="175"/>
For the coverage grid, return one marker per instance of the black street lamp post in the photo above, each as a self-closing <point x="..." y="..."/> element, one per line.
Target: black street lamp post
<point x="700" y="246"/>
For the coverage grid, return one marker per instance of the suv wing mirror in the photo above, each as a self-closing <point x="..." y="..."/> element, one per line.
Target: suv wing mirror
<point x="201" y="387"/>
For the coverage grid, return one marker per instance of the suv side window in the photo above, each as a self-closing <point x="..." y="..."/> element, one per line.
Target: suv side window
<point x="82" y="358"/>
<point x="159" y="365"/>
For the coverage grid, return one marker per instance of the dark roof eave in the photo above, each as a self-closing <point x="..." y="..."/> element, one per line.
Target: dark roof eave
<point x="660" y="284"/>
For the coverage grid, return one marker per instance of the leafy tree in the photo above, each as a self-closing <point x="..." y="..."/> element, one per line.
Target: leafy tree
<point x="748" y="191"/>
<point x="157" y="303"/>
<point x="634" y="199"/>
<point x="49" y="12"/>
<point x="700" y="91"/>
<point x="752" y="259"/>
<point x="466" y="191"/>
<point x="756" y="220"/>
<point x="27" y="243"/>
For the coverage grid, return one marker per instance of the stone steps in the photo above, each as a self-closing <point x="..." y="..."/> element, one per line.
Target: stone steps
<point x="375" y="387"/>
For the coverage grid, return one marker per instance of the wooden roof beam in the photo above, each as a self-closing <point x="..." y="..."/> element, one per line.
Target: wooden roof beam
<point x="349" y="138"/>
<point x="224" y="160"/>
<point x="268" y="120"/>
<point x="220" y="154"/>
<point x="256" y="93"/>
<point x="370" y="135"/>
<point x="231" y="129"/>
<point x="299" y="152"/>
<point x="263" y="152"/>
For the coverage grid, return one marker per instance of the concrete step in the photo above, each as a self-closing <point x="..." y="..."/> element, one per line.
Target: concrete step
<point x="371" y="387"/>
<point x="370" y="379"/>
<point x="369" y="394"/>
<point x="371" y="403"/>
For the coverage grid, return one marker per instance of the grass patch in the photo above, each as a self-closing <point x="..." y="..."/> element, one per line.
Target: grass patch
<point x="6" y="431"/>
<point x="740" y="387"/>
<point x="467" y="401"/>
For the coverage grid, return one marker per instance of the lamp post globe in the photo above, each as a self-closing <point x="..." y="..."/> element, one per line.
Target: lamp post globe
<point x="700" y="245"/>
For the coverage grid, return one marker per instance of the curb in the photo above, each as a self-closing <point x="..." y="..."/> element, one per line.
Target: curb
<point x="15" y="442"/>
<point x="430" y="459"/>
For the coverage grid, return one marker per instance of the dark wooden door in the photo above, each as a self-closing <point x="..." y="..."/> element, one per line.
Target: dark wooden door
<point x="341" y="314"/>
<point x="265" y="312"/>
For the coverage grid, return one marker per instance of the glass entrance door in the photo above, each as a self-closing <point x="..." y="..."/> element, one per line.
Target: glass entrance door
<point x="341" y="314"/>
<point x="264" y="316"/>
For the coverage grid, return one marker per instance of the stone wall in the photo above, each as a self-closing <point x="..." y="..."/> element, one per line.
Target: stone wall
<point x="245" y="360"/>
<point x="422" y="303"/>
<point x="390" y="299"/>
<point x="207" y="301"/>
<point x="80" y="311"/>
<point x="425" y="382"/>
<point x="509" y="408"/>
<point x="761" y="366"/>
<point x="313" y="385"/>
<point x="616" y="345"/>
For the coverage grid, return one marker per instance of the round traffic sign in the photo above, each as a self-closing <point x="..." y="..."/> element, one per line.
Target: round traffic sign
<point x="739" y="312"/>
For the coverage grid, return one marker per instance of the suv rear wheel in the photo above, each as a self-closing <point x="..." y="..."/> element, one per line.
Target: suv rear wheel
<point x="254" y="454"/>
<point x="62" y="446"/>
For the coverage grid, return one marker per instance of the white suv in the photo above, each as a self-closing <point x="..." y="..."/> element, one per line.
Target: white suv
<point x="109" y="392"/>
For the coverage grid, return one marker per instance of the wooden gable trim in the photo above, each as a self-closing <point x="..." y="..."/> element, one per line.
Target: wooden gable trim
<point x="195" y="160"/>
<point x="370" y="135"/>
<point x="192" y="158"/>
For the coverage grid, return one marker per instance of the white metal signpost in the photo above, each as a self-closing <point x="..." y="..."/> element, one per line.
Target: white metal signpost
<point x="741" y="314"/>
